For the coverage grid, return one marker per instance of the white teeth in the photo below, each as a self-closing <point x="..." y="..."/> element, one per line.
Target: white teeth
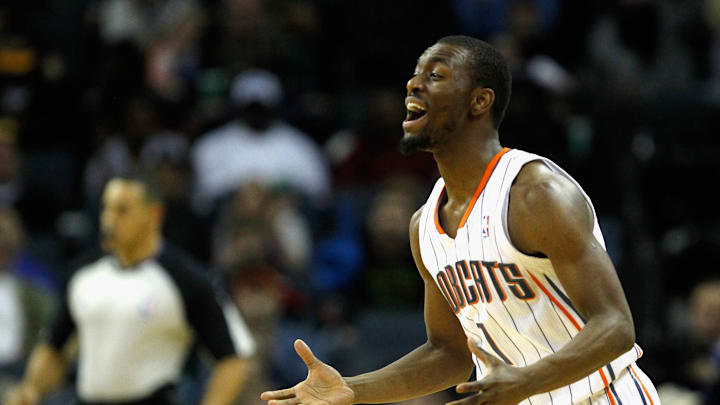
<point x="415" y="107"/>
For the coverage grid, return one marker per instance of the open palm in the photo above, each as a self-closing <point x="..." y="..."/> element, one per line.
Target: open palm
<point x="323" y="385"/>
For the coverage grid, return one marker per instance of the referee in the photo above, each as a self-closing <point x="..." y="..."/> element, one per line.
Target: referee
<point x="137" y="311"/>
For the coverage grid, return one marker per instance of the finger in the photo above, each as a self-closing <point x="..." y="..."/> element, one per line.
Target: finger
<point x="488" y="359"/>
<point x="303" y="350"/>
<point x="291" y="401"/>
<point x="473" y="386"/>
<point x="279" y="394"/>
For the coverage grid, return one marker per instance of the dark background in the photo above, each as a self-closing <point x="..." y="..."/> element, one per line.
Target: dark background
<point x="622" y="94"/>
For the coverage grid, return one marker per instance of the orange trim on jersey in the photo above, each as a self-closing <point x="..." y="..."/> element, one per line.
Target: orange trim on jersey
<point x="486" y="176"/>
<point x="607" y="387"/>
<point x="647" y="394"/>
<point x="577" y="326"/>
<point x="639" y="350"/>
<point x="437" y="217"/>
<point x="556" y="302"/>
<point x="483" y="182"/>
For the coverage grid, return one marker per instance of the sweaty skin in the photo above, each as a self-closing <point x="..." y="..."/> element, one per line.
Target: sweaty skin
<point x="547" y="215"/>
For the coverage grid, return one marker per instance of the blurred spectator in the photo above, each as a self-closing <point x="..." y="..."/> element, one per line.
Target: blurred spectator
<point x="331" y="325"/>
<point x="390" y="274"/>
<point x="24" y="307"/>
<point x="640" y="50"/>
<point x="140" y="22"/>
<point x="338" y="257"/>
<point x="117" y="153"/>
<point x="145" y="143"/>
<point x="258" y="146"/>
<point x="693" y="346"/>
<point x="25" y="186"/>
<point x="10" y="163"/>
<point x="485" y="19"/>
<point x="173" y="54"/>
<point x="703" y="361"/>
<point x="262" y="247"/>
<point x="278" y="35"/>
<point x="363" y="156"/>
<point x="704" y="368"/>
<point x="374" y="43"/>
<point x="165" y="155"/>
<point x="259" y="225"/>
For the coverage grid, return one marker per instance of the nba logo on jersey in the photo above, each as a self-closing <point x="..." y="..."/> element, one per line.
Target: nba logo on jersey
<point x="486" y="226"/>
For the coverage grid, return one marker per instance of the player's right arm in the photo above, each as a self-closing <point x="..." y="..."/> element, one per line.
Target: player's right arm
<point x="443" y="361"/>
<point x="45" y="372"/>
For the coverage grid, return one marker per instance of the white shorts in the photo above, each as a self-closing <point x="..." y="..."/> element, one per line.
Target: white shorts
<point x="631" y="387"/>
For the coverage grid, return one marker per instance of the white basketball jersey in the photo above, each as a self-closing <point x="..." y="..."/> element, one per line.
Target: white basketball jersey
<point x="512" y="302"/>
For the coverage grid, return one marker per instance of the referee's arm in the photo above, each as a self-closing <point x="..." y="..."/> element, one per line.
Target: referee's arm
<point x="227" y="379"/>
<point x="219" y="328"/>
<point x="46" y="367"/>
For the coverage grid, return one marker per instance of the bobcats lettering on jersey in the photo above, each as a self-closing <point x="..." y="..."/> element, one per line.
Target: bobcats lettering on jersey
<point x="514" y="303"/>
<point x="464" y="284"/>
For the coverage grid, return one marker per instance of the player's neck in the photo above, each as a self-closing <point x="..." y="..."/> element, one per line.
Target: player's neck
<point x="140" y="251"/>
<point x="462" y="163"/>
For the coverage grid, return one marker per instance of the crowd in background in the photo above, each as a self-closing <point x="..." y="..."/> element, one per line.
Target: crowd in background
<point x="272" y="126"/>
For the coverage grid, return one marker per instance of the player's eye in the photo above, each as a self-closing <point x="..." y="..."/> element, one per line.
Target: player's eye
<point x="435" y="76"/>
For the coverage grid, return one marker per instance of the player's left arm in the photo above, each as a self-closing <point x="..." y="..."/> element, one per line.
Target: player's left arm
<point x="548" y="214"/>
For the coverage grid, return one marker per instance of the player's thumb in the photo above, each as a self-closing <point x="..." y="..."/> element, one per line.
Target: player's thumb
<point x="488" y="359"/>
<point x="303" y="350"/>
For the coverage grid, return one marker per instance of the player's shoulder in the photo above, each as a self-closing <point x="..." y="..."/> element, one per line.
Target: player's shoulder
<point x="415" y="220"/>
<point x="415" y="230"/>
<point x="545" y="202"/>
<point x="537" y="185"/>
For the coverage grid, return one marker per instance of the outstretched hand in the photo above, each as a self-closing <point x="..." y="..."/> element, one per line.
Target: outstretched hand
<point x="323" y="385"/>
<point x="504" y="384"/>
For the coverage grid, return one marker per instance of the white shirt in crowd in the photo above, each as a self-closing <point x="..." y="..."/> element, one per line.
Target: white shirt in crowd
<point x="235" y="153"/>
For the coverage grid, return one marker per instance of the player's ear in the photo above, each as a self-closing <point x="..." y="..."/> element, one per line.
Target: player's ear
<point x="482" y="99"/>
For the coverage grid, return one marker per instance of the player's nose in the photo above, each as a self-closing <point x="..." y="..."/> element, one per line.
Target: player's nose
<point x="414" y="84"/>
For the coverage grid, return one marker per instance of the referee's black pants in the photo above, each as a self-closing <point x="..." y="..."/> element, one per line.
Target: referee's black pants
<point x="166" y="395"/>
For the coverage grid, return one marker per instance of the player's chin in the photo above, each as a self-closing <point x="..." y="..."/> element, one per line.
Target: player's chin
<point x="414" y="142"/>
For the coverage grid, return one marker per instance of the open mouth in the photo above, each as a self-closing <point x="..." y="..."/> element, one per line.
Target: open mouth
<point x="415" y="112"/>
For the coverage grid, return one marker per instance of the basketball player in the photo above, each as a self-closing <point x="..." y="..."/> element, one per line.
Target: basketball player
<point x="517" y="281"/>
<point x="136" y="311"/>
